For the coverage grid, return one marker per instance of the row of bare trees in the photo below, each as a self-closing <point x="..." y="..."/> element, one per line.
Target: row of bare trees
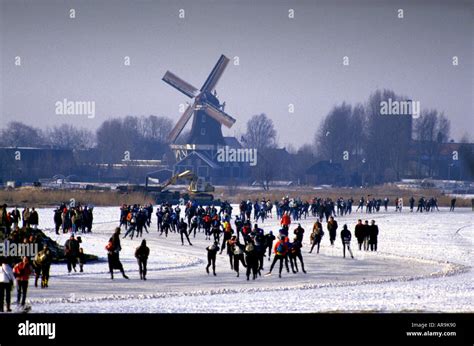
<point x="376" y="145"/>
<point x="143" y="137"/>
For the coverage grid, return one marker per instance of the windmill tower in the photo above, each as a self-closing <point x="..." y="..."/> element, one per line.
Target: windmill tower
<point x="209" y="116"/>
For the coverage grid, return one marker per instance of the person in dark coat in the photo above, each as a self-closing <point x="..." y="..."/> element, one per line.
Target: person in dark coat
<point x="251" y="258"/>
<point x="332" y="228"/>
<point x="71" y="251"/>
<point x="373" y="234"/>
<point x="360" y="233"/>
<point x="295" y="253"/>
<point x="366" y="235"/>
<point x="211" y="256"/>
<point x="346" y="241"/>
<point x="269" y="238"/>
<point x="299" y="233"/>
<point x="113" y="249"/>
<point x="58" y="221"/>
<point x="141" y="254"/>
<point x="34" y="218"/>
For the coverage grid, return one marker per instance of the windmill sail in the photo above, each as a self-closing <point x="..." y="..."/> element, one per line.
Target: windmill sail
<point x="215" y="74"/>
<point x="180" y="84"/>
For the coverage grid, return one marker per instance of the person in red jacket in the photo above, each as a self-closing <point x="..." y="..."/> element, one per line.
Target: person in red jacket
<point x="22" y="272"/>
<point x="286" y="220"/>
<point x="280" y="250"/>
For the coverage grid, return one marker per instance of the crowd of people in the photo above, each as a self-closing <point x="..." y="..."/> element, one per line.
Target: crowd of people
<point x="73" y="218"/>
<point x="239" y="235"/>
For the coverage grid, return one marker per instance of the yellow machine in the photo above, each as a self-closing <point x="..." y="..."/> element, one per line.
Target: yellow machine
<point x="196" y="184"/>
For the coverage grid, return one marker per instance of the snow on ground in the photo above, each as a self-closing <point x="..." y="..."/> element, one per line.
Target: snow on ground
<point x="423" y="265"/>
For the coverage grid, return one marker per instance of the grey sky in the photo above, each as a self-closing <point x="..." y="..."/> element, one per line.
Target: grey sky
<point x="282" y="60"/>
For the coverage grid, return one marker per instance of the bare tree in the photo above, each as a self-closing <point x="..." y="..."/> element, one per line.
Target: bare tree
<point x="67" y="136"/>
<point x="431" y="129"/>
<point x="260" y="133"/>
<point x="17" y="134"/>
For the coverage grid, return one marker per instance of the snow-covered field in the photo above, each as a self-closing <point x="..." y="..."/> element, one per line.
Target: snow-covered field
<point x="423" y="265"/>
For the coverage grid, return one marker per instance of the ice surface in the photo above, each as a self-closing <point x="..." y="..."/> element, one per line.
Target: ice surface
<point x="423" y="264"/>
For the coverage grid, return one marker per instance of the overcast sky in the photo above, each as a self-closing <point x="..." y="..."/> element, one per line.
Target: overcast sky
<point x="282" y="60"/>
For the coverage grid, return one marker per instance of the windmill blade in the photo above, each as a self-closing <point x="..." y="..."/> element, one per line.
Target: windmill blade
<point x="178" y="128"/>
<point x="180" y="84"/>
<point x="219" y="115"/>
<point x="216" y="74"/>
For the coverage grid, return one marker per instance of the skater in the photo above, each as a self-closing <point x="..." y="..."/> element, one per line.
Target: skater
<point x="412" y="204"/>
<point x="42" y="265"/>
<point x="22" y="272"/>
<point x="299" y="232"/>
<point x="360" y="233"/>
<point x="6" y="284"/>
<point x="373" y="234"/>
<point x="193" y="225"/>
<point x="346" y="241"/>
<point x="230" y="250"/>
<point x="453" y="204"/>
<point x="251" y="258"/>
<point x="316" y="235"/>
<point x="238" y="256"/>
<point x="332" y="228"/>
<point x="269" y="238"/>
<point x="280" y="250"/>
<point x="227" y="235"/>
<point x="183" y="230"/>
<point x="113" y="254"/>
<point x="296" y="254"/>
<point x="71" y="252"/>
<point x="211" y="257"/>
<point x="141" y="254"/>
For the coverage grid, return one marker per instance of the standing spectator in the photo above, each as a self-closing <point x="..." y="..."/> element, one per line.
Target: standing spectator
<point x="6" y="283"/>
<point x="373" y="234"/>
<point x="82" y="259"/>
<point x="360" y="233"/>
<point x="22" y="273"/>
<point x="41" y="266"/>
<point x="34" y="218"/>
<point x="366" y="235"/>
<point x="26" y="217"/>
<point x="141" y="254"/>
<point x="71" y="251"/>
<point x="16" y="217"/>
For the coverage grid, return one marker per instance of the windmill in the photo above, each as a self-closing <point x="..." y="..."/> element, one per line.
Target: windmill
<point x="209" y="115"/>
